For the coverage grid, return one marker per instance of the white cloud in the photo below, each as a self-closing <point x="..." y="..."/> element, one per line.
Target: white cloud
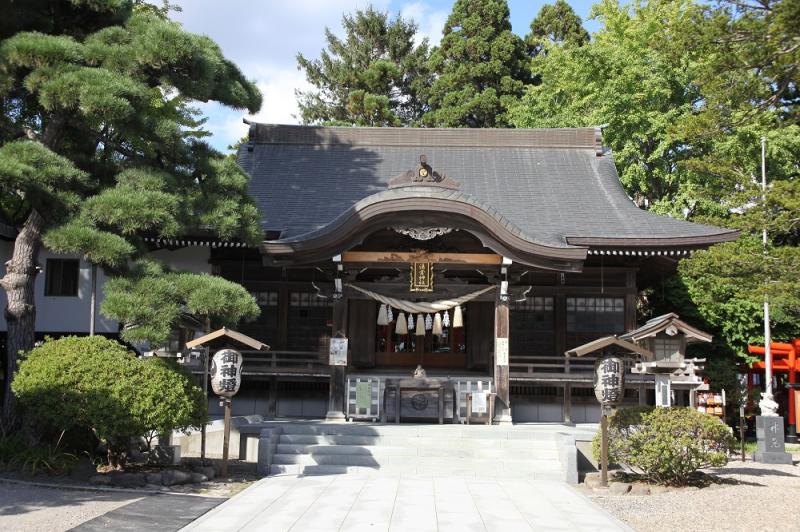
<point x="430" y="21"/>
<point x="263" y="37"/>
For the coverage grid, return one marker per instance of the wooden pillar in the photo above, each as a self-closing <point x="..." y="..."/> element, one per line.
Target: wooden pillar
<point x="631" y="295"/>
<point x="338" y="379"/>
<point x="568" y="403"/>
<point x="283" y="318"/>
<point x="272" y="398"/>
<point x="226" y="439"/>
<point x="501" y="380"/>
<point x="560" y="310"/>
<point x="642" y="395"/>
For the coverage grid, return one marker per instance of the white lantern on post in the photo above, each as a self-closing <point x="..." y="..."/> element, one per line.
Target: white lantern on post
<point x="609" y="388"/>
<point x="226" y="372"/>
<point x="609" y="380"/>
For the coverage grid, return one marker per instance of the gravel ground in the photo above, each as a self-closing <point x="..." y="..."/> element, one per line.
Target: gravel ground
<point x="33" y="508"/>
<point x="751" y="496"/>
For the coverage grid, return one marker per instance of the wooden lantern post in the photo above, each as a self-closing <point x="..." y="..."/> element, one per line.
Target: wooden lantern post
<point x="226" y="439"/>
<point x="226" y="377"/>
<point x="603" y="447"/>
<point x="609" y="382"/>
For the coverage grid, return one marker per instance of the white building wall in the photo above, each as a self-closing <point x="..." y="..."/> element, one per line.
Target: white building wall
<point x="71" y="314"/>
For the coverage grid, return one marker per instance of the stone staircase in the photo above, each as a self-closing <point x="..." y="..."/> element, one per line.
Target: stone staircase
<point x="457" y="450"/>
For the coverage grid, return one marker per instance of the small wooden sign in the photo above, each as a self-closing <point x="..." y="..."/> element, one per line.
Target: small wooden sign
<point x="501" y="351"/>
<point x="479" y="402"/>
<point x="421" y="277"/>
<point x="338" y="352"/>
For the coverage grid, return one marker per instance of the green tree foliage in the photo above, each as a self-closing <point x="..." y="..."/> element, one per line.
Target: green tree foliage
<point x="747" y="69"/>
<point x="77" y="382"/>
<point x="481" y="67"/>
<point x="556" y="24"/>
<point x="686" y="92"/>
<point x="100" y="145"/>
<point x="666" y="444"/>
<point x="625" y="80"/>
<point x="375" y="76"/>
<point x="154" y="297"/>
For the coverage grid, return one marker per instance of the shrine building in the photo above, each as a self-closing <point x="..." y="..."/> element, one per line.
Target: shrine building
<point x="477" y="257"/>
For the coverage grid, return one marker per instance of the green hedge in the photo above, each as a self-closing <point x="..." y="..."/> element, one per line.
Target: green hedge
<point x="666" y="444"/>
<point x="94" y="382"/>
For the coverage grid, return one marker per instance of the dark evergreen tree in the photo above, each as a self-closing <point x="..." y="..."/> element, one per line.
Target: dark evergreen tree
<point x="99" y="146"/>
<point x="375" y="76"/>
<point x="481" y="67"/>
<point x="558" y="24"/>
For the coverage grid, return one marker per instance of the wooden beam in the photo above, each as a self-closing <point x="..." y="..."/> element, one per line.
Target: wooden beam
<point x="395" y="257"/>
<point x="228" y="333"/>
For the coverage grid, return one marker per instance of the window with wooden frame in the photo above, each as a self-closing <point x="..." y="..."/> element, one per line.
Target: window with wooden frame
<point x="309" y="321"/>
<point x="533" y="326"/>
<point x="595" y="314"/>
<point x="61" y="277"/>
<point x="667" y="348"/>
<point x="589" y="318"/>
<point x="265" y="327"/>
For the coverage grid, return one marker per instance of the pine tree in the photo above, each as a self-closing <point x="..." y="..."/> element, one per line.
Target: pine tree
<point x="375" y="76"/>
<point x="99" y="145"/>
<point x="481" y="67"/>
<point x="558" y="24"/>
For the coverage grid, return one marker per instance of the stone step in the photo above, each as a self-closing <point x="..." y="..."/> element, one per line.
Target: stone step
<point x="477" y="465"/>
<point x="387" y="450"/>
<point x="405" y="430"/>
<point x="299" y="469"/>
<point x="417" y="442"/>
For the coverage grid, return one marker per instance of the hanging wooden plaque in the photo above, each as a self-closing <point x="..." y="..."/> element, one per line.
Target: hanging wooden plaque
<point x="421" y="277"/>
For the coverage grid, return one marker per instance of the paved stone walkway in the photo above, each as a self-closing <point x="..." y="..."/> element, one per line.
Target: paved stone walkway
<point x="405" y="503"/>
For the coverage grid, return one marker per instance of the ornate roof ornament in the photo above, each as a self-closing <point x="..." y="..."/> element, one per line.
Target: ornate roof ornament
<point x="424" y="175"/>
<point x="422" y="233"/>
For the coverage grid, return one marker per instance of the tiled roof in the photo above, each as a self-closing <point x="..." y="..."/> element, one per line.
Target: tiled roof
<point x="554" y="186"/>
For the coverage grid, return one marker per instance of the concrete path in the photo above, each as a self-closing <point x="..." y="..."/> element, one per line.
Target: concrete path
<point x="165" y="512"/>
<point x="33" y="508"/>
<point x="405" y="503"/>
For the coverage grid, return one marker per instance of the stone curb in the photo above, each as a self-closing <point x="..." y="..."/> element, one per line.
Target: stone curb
<point x="102" y="488"/>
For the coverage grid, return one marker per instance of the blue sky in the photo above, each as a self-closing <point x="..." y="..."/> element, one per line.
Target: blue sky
<point x="264" y="36"/>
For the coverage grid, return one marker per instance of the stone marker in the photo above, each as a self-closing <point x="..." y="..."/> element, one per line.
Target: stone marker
<point x="771" y="448"/>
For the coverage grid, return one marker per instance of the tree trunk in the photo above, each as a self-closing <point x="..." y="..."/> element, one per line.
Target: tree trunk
<point x="20" y="311"/>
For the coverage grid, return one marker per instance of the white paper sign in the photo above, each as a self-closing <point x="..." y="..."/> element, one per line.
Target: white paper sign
<point x="501" y="351"/>
<point x="338" y="352"/>
<point x="479" y="402"/>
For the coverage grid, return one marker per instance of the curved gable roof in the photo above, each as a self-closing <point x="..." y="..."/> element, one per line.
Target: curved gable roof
<point x="556" y="187"/>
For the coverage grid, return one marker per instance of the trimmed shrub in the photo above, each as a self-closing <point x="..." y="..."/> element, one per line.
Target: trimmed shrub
<point x="667" y="445"/>
<point x="94" y="382"/>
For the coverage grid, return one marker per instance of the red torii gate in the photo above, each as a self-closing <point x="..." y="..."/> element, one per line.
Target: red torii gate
<point x="785" y="359"/>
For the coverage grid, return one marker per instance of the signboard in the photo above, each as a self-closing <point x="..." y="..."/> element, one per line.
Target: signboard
<point x="364" y="396"/>
<point x="609" y="380"/>
<point x="421" y="277"/>
<point x="338" y="352"/>
<point x="226" y="372"/>
<point x="663" y="391"/>
<point x="479" y="402"/>
<point x="501" y="351"/>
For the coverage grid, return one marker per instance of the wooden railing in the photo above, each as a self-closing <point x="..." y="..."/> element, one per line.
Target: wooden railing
<point x="522" y="366"/>
<point x="280" y="362"/>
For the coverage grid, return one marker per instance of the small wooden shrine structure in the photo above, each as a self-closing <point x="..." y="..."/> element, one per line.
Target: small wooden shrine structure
<point x="667" y="337"/>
